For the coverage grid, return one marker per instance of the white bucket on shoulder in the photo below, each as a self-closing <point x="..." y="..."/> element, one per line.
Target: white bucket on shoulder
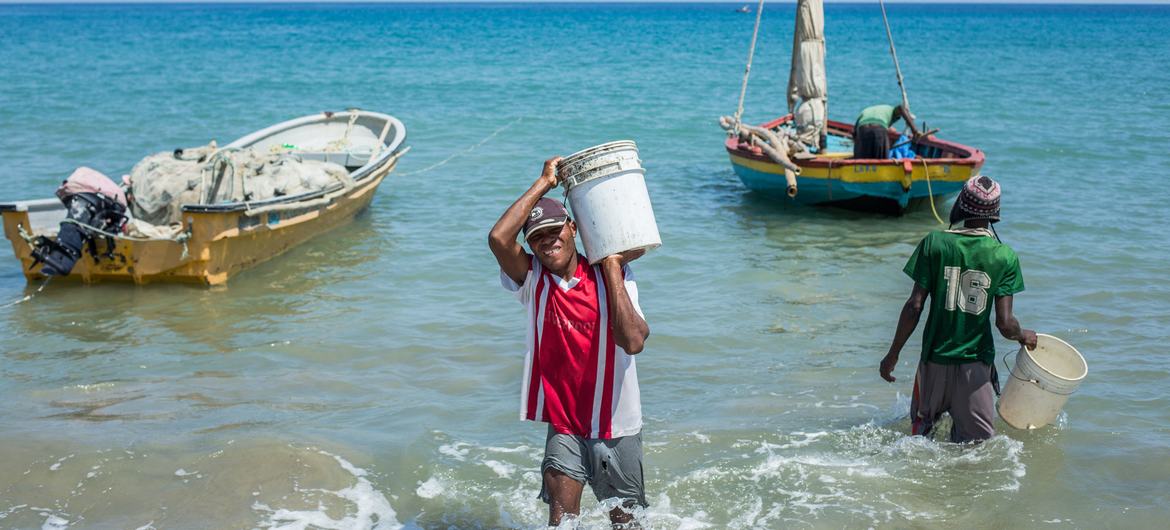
<point x="1041" y="383"/>
<point x="606" y="189"/>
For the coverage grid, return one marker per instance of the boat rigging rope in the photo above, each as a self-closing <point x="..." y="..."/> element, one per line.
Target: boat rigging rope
<point x="894" y="53"/>
<point x="465" y="151"/>
<point x="748" y="69"/>
<point x="181" y="238"/>
<point x="341" y="143"/>
<point x="218" y="165"/>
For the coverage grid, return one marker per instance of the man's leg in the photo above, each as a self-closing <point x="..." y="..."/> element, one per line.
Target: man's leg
<point x="973" y="407"/>
<point x="563" y="473"/>
<point x="617" y="472"/>
<point x="869" y="140"/>
<point x="563" y="495"/>
<point x="929" y="399"/>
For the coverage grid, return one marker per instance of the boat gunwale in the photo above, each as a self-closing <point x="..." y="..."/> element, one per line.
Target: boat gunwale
<point x="359" y="175"/>
<point x="974" y="157"/>
<point x="32" y="205"/>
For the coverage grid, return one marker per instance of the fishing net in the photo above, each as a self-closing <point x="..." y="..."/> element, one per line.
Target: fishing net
<point x="162" y="183"/>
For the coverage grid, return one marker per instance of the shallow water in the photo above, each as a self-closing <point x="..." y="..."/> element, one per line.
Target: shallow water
<point x="368" y="379"/>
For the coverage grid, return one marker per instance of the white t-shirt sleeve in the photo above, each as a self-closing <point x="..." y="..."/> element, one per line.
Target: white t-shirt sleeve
<point x="523" y="292"/>
<point x="632" y="289"/>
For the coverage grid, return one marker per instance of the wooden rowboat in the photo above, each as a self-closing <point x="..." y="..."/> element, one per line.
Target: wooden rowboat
<point x="881" y="185"/>
<point x="220" y="240"/>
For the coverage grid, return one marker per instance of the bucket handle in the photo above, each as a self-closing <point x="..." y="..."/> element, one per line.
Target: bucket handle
<point x="1012" y="373"/>
<point x="1005" y="360"/>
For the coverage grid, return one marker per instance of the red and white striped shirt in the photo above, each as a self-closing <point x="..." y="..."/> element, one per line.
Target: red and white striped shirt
<point x="575" y="377"/>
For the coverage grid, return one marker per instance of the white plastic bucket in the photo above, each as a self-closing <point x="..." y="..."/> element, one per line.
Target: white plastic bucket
<point x="606" y="189"/>
<point x="1041" y="382"/>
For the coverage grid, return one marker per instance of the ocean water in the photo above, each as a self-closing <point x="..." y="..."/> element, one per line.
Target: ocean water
<point x="369" y="378"/>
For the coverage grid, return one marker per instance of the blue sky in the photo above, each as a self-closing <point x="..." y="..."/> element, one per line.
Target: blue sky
<point x="751" y="2"/>
<point x="732" y="2"/>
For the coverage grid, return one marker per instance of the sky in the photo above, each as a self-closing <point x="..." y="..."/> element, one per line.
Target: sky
<point x="750" y="2"/>
<point x="734" y="2"/>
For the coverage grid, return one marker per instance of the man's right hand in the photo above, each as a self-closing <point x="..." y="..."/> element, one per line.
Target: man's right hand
<point x="887" y="367"/>
<point x="549" y="175"/>
<point x="1028" y="339"/>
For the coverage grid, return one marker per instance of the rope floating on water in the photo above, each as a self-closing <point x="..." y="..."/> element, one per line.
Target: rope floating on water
<point x="29" y="296"/>
<point x="465" y="151"/>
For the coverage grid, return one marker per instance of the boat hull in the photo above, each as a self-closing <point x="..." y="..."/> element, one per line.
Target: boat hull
<point x="221" y="243"/>
<point x="223" y="240"/>
<point x="885" y="186"/>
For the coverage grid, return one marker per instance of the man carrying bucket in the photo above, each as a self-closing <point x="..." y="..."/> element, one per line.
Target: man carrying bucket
<point x="584" y="326"/>
<point x="960" y="271"/>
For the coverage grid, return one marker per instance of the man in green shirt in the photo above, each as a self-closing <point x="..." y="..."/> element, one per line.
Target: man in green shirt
<point x="963" y="272"/>
<point x="871" y="131"/>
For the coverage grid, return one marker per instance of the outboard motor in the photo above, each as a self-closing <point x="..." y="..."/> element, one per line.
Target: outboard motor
<point x="96" y="204"/>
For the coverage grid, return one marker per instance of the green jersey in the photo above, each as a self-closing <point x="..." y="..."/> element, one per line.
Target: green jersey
<point x="876" y="115"/>
<point x="964" y="271"/>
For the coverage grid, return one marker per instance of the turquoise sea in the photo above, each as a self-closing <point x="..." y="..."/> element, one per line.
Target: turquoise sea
<point x="369" y="379"/>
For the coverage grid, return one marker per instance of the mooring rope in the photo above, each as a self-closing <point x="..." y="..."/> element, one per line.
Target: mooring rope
<point x="29" y="296"/>
<point x="465" y="151"/>
<point x="930" y="191"/>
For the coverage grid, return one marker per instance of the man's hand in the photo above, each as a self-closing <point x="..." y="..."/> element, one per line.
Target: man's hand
<point x="1028" y="338"/>
<point x="626" y="257"/>
<point x="549" y="175"/>
<point x="887" y="367"/>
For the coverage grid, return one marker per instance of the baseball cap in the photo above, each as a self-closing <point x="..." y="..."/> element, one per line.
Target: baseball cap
<point x="548" y="212"/>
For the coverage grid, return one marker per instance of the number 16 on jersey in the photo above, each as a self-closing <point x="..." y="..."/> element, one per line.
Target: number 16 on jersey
<point x="966" y="290"/>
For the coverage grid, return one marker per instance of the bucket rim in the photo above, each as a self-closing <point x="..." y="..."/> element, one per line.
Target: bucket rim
<point x="1035" y="361"/>
<point x="582" y="166"/>
<point x="589" y="150"/>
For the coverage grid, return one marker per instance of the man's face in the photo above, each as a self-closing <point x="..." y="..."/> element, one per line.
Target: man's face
<point x="554" y="246"/>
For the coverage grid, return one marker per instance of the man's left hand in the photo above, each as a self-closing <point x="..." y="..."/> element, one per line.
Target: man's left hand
<point x="627" y="256"/>
<point x="1028" y="339"/>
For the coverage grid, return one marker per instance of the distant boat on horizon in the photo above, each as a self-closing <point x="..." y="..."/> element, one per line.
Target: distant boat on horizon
<point x="744" y="9"/>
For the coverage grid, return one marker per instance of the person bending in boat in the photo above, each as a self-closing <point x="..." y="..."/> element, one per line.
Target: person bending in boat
<point x="963" y="272"/>
<point x="584" y="328"/>
<point x="871" y="131"/>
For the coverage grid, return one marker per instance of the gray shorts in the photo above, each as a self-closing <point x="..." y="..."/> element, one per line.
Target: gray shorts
<point x="613" y="468"/>
<point x="965" y="390"/>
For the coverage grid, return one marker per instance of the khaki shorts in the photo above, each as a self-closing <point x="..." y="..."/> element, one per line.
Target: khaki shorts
<point x="965" y="390"/>
<point x="613" y="468"/>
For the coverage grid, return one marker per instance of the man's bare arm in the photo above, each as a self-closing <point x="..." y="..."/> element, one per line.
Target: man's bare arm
<point x="629" y="328"/>
<point x="1008" y="326"/>
<point x="502" y="238"/>
<point x="907" y="321"/>
<point x="909" y="118"/>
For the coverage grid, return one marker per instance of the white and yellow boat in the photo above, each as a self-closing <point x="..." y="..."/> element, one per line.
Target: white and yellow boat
<point x="216" y="241"/>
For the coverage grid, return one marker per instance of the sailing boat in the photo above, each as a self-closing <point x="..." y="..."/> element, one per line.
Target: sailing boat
<point x="808" y="157"/>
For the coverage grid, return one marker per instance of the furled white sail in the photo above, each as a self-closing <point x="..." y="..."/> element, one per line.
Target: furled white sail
<point x="807" y="85"/>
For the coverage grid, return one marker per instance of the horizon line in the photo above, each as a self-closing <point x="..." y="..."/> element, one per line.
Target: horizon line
<point x="579" y="2"/>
